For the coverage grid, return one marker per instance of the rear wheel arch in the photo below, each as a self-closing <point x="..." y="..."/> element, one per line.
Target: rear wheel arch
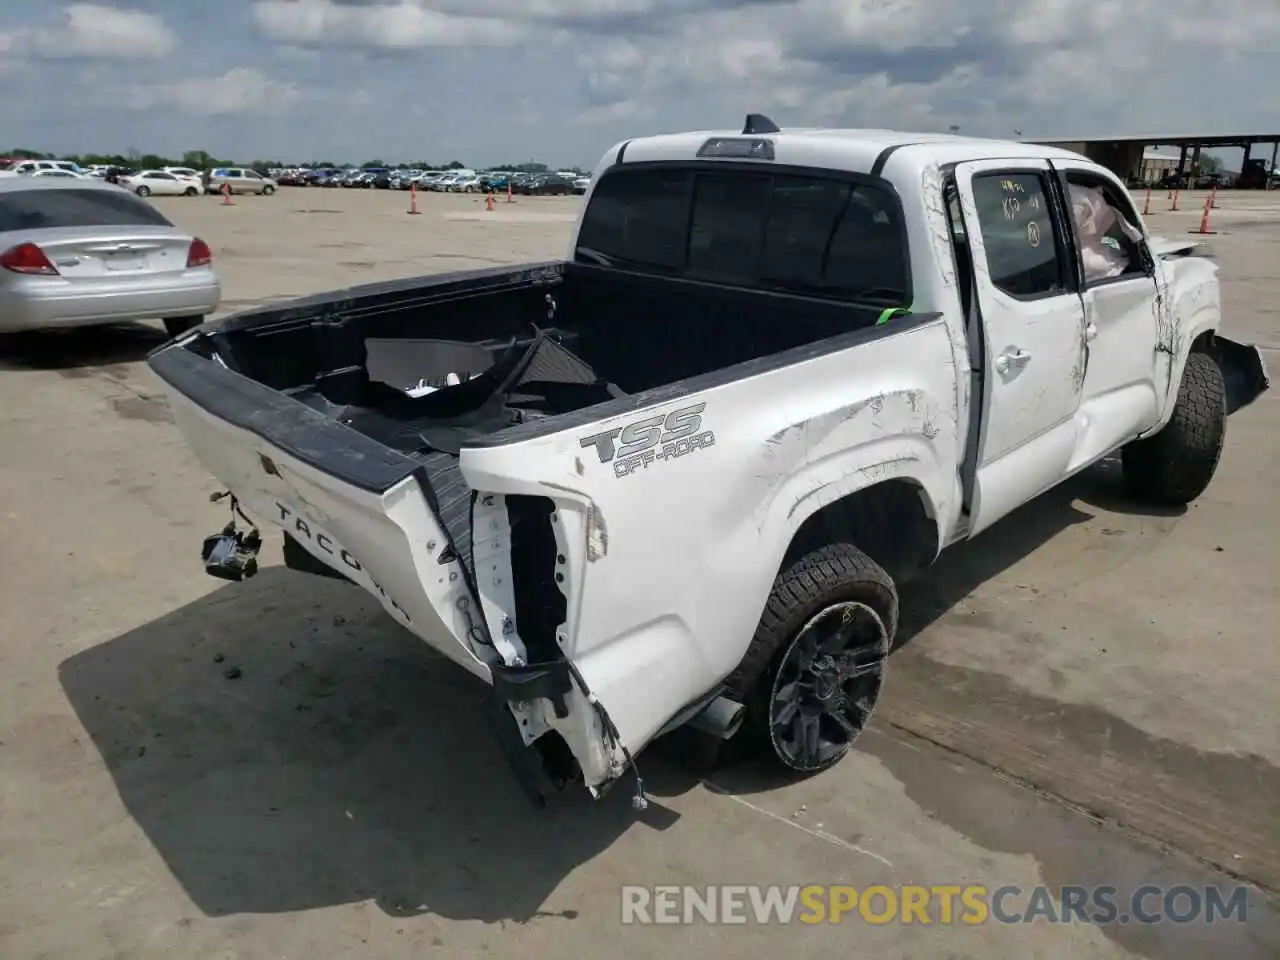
<point x="894" y="522"/>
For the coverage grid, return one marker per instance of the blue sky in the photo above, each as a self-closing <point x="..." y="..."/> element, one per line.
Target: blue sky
<point x="489" y="81"/>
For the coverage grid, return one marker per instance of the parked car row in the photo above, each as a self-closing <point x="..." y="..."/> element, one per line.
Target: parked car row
<point x="1254" y="177"/>
<point x="168" y="181"/>
<point x="439" y="181"/>
<point x="1189" y="181"/>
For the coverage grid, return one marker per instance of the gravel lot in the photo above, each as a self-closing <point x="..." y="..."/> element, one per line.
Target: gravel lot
<point x="1086" y="694"/>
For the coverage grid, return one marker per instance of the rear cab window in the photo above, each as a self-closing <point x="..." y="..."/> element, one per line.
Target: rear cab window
<point x="75" y="207"/>
<point x="835" y="237"/>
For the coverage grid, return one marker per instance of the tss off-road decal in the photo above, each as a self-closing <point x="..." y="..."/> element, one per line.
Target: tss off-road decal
<point x="659" y="438"/>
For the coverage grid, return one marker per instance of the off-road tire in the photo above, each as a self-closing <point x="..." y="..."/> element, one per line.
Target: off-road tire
<point x="174" y="326"/>
<point x="1176" y="465"/>
<point x="827" y="575"/>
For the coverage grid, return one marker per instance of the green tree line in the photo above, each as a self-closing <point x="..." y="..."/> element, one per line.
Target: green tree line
<point x="200" y="159"/>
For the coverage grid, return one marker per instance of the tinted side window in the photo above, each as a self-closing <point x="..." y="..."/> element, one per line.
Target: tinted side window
<point x="38" y="209"/>
<point x="1017" y="230"/>
<point x="638" y="218"/>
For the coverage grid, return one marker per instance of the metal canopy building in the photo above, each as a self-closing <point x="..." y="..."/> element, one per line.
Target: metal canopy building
<point x="1123" y="155"/>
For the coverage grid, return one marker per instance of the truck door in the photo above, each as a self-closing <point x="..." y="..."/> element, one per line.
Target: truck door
<point x="1032" y="330"/>
<point x="1121" y="395"/>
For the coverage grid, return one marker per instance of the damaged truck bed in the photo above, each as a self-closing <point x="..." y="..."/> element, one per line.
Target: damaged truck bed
<point x="678" y="477"/>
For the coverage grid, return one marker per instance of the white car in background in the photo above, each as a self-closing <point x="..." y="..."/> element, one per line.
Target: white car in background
<point x="146" y="183"/>
<point x="189" y="174"/>
<point x="28" y="167"/>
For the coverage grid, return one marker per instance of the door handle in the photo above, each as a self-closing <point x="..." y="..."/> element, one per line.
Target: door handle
<point x="1012" y="360"/>
<point x="1091" y="331"/>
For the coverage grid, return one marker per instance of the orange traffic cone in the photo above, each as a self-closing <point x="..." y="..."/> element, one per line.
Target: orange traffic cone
<point x="1146" y="206"/>
<point x="488" y="201"/>
<point x="413" y="198"/>
<point x="1204" y="217"/>
<point x="1175" y="199"/>
<point x="509" y="198"/>
<point x="226" y="195"/>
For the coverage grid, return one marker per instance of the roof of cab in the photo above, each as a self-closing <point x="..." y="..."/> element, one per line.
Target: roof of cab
<point x="855" y="150"/>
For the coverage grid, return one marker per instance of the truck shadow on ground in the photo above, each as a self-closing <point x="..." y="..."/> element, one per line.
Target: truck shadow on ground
<point x="964" y="567"/>
<point x="1083" y="499"/>
<point x="78" y="347"/>
<point x="285" y="746"/>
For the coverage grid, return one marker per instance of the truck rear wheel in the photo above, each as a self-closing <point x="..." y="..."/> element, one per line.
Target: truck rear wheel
<point x="813" y="671"/>
<point x="1173" y="467"/>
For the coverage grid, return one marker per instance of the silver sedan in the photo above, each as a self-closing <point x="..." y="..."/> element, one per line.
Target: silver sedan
<point x="77" y="253"/>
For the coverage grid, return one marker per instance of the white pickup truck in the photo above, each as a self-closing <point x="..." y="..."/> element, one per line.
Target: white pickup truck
<point x="677" y="478"/>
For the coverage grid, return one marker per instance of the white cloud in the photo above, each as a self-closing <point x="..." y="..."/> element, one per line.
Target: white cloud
<point x="241" y="90"/>
<point x="604" y="70"/>
<point x="991" y="65"/>
<point x="94" y="31"/>
<point x="403" y="25"/>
